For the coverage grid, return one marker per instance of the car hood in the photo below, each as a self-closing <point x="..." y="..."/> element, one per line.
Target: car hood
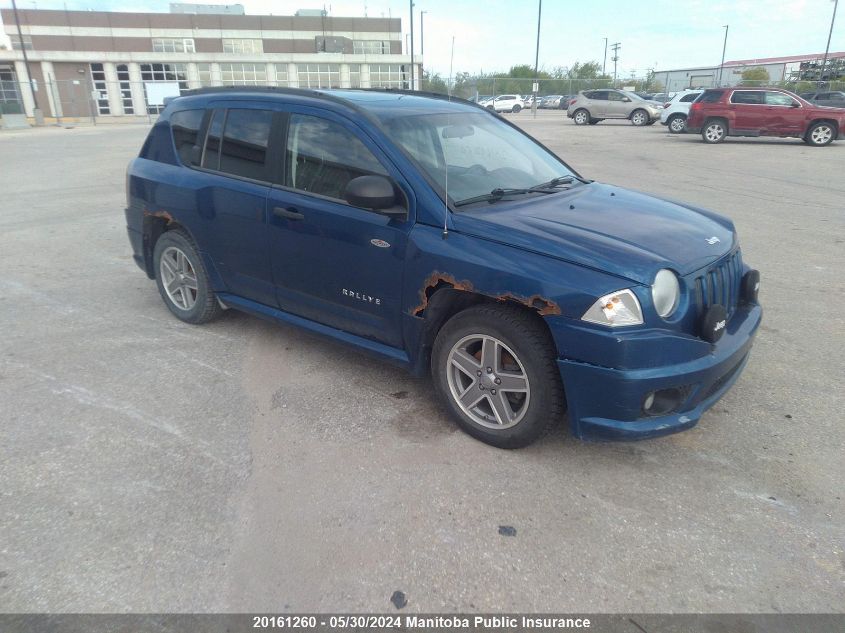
<point x="615" y="230"/>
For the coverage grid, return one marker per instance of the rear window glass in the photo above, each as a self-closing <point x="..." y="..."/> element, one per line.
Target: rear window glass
<point x="185" y="126"/>
<point x="688" y="98"/>
<point x="710" y="96"/>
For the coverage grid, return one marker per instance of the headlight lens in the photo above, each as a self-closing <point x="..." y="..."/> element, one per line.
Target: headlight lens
<point x="615" y="309"/>
<point x="665" y="292"/>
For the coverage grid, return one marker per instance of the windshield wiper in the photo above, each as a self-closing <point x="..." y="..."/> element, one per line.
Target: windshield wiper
<point x="544" y="187"/>
<point x="499" y="193"/>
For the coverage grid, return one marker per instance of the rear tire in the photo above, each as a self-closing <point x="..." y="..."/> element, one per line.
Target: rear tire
<point x="820" y="134"/>
<point x="522" y="386"/>
<point x="639" y="117"/>
<point x="516" y="109"/>
<point x="182" y="279"/>
<point x="677" y="124"/>
<point x="714" y="131"/>
<point x="581" y="117"/>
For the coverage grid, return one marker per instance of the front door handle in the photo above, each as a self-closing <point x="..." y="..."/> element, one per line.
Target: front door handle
<point x="290" y="213"/>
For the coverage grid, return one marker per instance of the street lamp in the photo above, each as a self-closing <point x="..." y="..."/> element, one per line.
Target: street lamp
<point x="827" y="49"/>
<point x="422" y="33"/>
<point x="536" y="85"/>
<point x="724" y="47"/>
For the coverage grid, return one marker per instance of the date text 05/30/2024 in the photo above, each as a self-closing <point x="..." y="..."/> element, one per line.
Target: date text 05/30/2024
<point x="415" y="621"/>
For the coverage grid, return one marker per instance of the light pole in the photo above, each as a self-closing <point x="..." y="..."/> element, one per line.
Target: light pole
<point x="36" y="110"/>
<point x="604" y="63"/>
<point x="412" y="45"/>
<point x="422" y="33"/>
<point x="724" y="48"/>
<point x="537" y="58"/>
<point x="827" y="49"/>
<point x="615" y="46"/>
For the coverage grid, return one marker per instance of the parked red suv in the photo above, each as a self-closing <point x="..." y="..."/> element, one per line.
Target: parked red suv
<point x="739" y="111"/>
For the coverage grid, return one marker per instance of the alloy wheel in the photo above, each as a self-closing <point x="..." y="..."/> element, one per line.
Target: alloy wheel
<point x="488" y="382"/>
<point x="179" y="278"/>
<point x="714" y="132"/>
<point x="677" y="124"/>
<point x="821" y="134"/>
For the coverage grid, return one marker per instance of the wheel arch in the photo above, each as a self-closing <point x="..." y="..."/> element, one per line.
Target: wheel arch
<point x="831" y="122"/>
<point x="156" y="224"/>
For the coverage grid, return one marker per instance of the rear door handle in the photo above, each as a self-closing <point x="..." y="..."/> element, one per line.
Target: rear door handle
<point x="290" y="213"/>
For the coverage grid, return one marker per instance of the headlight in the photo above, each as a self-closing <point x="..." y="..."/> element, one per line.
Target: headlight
<point x="615" y="309"/>
<point x="665" y="292"/>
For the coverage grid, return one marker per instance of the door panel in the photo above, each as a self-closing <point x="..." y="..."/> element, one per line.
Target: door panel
<point x="334" y="263"/>
<point x="783" y="117"/>
<point x="749" y="110"/>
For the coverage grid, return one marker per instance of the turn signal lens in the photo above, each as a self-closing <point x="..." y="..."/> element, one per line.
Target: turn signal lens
<point x="616" y="309"/>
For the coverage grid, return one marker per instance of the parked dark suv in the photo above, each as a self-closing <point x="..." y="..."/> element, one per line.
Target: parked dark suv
<point x="722" y="112"/>
<point x="436" y="235"/>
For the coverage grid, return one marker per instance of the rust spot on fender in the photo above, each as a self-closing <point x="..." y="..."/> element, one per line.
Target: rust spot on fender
<point x="159" y="214"/>
<point x="432" y="282"/>
<point x="543" y="306"/>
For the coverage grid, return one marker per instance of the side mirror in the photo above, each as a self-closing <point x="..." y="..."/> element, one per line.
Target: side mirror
<point x="373" y="192"/>
<point x="626" y="100"/>
<point x="795" y="104"/>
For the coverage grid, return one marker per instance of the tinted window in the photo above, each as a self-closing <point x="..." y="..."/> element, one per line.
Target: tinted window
<point x="600" y="95"/>
<point x="710" y="96"/>
<point x="688" y="98"/>
<point x="211" y="155"/>
<point x="245" y="143"/>
<point x="778" y="98"/>
<point x="323" y="156"/>
<point x="614" y="96"/>
<point x="185" y="126"/>
<point x="747" y="96"/>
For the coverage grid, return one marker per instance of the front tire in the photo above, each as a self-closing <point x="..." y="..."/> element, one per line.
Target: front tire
<point x="677" y="124"/>
<point x="714" y="131"/>
<point x="581" y="117"/>
<point x="639" y="117"/>
<point x="182" y="279"/>
<point x="820" y="134"/>
<point x="494" y="369"/>
<point x="516" y="109"/>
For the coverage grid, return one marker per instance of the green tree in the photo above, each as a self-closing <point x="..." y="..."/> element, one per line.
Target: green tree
<point x="754" y="76"/>
<point x="433" y="82"/>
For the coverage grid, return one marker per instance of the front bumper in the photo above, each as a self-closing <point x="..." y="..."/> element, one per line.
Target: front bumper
<point x="606" y="403"/>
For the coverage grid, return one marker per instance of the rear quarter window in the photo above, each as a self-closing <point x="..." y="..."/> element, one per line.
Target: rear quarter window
<point x="185" y="127"/>
<point x="710" y="96"/>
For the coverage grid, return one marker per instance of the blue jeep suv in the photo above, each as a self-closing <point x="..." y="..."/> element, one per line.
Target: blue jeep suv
<point x="433" y="233"/>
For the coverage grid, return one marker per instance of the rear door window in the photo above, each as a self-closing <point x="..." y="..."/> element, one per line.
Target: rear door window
<point x="599" y="95"/>
<point x="245" y="142"/>
<point x="211" y="153"/>
<point x="689" y="98"/>
<point x="747" y="97"/>
<point x="323" y="156"/>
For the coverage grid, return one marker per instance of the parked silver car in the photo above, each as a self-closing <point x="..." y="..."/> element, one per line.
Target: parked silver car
<point x="592" y="106"/>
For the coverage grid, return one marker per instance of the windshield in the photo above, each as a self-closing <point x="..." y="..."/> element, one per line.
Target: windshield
<point x="482" y="153"/>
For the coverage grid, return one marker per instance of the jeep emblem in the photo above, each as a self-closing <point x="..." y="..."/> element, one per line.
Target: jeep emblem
<point x="712" y="240"/>
<point x="719" y="325"/>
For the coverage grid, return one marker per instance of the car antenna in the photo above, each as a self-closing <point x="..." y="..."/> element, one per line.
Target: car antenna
<point x="446" y="162"/>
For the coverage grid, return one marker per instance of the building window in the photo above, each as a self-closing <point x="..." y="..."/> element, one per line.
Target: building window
<point x="164" y="72"/>
<point x="243" y="74"/>
<point x="388" y="76"/>
<point x="125" y="88"/>
<point x="9" y="96"/>
<point x="16" y="42"/>
<point x="354" y="75"/>
<point x="98" y="78"/>
<point x="243" y="47"/>
<point x="204" y="72"/>
<point x="318" y="75"/>
<point x="371" y="47"/>
<point x="282" y="75"/>
<point x="173" y="45"/>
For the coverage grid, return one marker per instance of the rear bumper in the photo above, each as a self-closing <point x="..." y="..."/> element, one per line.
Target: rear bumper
<point x="136" y="240"/>
<point x="606" y="403"/>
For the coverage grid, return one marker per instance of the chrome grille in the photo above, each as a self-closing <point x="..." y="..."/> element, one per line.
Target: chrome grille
<point x="720" y="284"/>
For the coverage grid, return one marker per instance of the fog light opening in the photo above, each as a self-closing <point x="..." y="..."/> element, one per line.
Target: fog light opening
<point x="662" y="401"/>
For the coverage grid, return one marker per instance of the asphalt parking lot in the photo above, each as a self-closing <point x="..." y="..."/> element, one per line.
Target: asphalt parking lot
<point x="150" y="465"/>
